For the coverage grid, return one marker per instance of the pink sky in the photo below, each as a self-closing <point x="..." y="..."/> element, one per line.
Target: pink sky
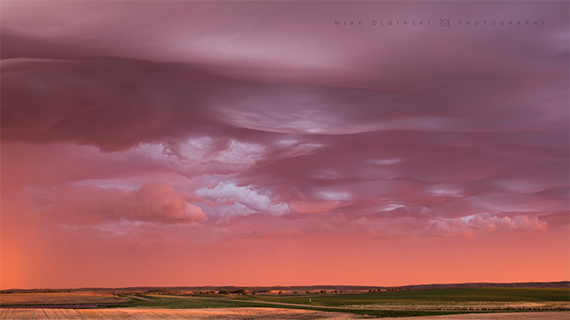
<point x="259" y="143"/>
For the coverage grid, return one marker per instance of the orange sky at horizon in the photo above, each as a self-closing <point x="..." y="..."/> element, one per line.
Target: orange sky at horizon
<point x="73" y="261"/>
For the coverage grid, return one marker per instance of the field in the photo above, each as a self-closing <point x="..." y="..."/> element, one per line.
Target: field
<point x="426" y="296"/>
<point x="243" y="313"/>
<point x="463" y="299"/>
<point x="499" y="316"/>
<point x="466" y="303"/>
<point x="226" y="314"/>
<point x="27" y="299"/>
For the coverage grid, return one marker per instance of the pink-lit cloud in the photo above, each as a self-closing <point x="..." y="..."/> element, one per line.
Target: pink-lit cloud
<point x="507" y="223"/>
<point x="153" y="202"/>
<point x="225" y="127"/>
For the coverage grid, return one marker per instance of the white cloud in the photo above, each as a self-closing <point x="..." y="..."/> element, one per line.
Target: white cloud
<point x="229" y="200"/>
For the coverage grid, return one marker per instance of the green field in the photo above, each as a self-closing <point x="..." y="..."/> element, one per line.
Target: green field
<point x="425" y="296"/>
<point x="187" y="302"/>
<point x="191" y="302"/>
<point x="378" y="304"/>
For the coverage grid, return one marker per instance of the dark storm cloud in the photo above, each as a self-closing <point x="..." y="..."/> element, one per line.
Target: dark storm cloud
<point x="422" y="123"/>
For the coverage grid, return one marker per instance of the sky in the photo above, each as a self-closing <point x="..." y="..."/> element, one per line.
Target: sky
<point x="194" y="143"/>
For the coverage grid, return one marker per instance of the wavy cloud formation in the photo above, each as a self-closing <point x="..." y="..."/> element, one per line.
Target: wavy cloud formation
<point x="195" y="127"/>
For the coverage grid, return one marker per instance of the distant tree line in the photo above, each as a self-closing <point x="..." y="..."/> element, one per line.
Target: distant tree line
<point x="35" y="291"/>
<point x="236" y="291"/>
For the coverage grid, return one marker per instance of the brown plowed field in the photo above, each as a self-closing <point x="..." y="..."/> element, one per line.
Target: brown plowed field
<point x="147" y="314"/>
<point x="244" y="313"/>
<point x="29" y="299"/>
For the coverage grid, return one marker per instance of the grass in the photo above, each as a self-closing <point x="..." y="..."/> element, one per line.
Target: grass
<point x="192" y="302"/>
<point x="425" y="296"/>
<point x="341" y="302"/>
<point x="402" y="303"/>
<point x="186" y="302"/>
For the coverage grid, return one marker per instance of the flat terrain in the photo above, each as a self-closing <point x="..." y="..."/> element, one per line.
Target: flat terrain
<point x="27" y="299"/>
<point x="469" y="306"/>
<point x="245" y="313"/>
<point x="491" y="295"/>
<point x="498" y="316"/>
<point x="123" y="313"/>
<point x="443" y="300"/>
<point x="443" y="304"/>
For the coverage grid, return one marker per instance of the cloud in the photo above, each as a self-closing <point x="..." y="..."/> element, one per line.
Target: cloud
<point x="474" y="126"/>
<point x="113" y="104"/>
<point x="313" y="207"/>
<point x="265" y="120"/>
<point x="154" y="202"/>
<point x="448" y="228"/>
<point x="465" y="227"/>
<point x="519" y="222"/>
<point x="228" y="200"/>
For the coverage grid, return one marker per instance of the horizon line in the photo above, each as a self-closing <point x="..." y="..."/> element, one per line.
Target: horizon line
<point x="290" y="286"/>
